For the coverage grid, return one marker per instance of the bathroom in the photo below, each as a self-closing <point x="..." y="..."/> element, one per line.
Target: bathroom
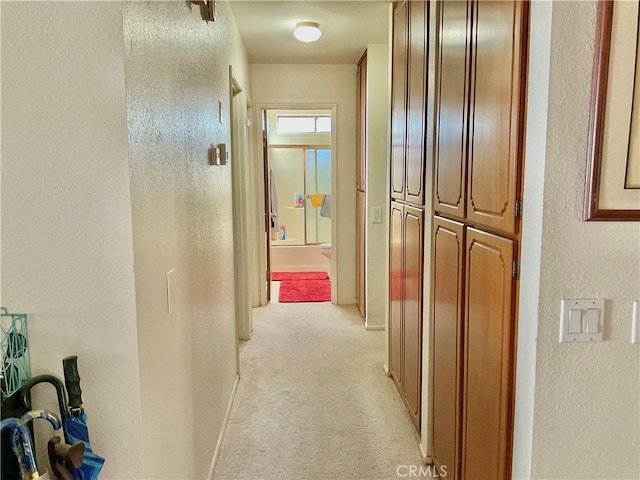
<point x="299" y="153"/>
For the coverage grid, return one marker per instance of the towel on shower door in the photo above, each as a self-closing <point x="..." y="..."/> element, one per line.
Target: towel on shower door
<point x="325" y="210"/>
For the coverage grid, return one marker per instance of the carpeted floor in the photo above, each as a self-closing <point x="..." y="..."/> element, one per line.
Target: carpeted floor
<point x="313" y="401"/>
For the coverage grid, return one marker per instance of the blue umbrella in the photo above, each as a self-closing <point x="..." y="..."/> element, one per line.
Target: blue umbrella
<point x="21" y="442"/>
<point x="75" y="423"/>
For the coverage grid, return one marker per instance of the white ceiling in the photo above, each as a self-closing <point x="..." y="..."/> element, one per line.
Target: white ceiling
<point x="347" y="26"/>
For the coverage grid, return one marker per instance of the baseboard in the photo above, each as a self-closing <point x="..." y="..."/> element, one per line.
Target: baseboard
<point x="374" y="327"/>
<point x="426" y="458"/>
<point x="216" y="452"/>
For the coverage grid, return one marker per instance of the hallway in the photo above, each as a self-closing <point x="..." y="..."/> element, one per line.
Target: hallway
<point x="313" y="401"/>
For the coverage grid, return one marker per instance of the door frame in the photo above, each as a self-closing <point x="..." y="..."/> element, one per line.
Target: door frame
<point x="241" y="194"/>
<point x="257" y="220"/>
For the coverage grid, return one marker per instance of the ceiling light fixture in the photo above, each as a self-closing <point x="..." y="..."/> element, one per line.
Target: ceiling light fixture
<point x="307" y="31"/>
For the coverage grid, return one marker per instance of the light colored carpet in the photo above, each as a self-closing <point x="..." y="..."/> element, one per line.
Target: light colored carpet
<point x="313" y="401"/>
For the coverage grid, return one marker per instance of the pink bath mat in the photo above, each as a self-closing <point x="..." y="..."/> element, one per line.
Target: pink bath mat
<point x="305" y="291"/>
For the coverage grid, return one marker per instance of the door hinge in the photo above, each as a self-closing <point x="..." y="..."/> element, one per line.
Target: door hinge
<point x="515" y="269"/>
<point x="518" y="208"/>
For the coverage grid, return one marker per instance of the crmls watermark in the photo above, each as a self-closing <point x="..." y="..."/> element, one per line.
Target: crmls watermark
<point x="421" y="471"/>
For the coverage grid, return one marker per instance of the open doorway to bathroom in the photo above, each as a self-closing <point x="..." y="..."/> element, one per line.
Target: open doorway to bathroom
<point x="298" y="159"/>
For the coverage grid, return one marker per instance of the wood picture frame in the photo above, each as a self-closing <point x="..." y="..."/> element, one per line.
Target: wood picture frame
<point x="613" y="149"/>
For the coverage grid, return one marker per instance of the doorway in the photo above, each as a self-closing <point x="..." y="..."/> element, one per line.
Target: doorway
<point x="298" y="165"/>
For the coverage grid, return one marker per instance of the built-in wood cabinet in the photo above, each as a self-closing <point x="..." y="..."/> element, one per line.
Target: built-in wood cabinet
<point x="408" y="103"/>
<point x="361" y="185"/>
<point x="454" y="60"/>
<point x="406" y="266"/>
<point x="414" y="168"/>
<point x="447" y="319"/>
<point x="496" y="113"/>
<point x="489" y="351"/>
<point x="361" y="248"/>
<point x="478" y="162"/>
<point x="409" y="79"/>
<point x="396" y="293"/>
<point x="480" y="114"/>
<point x="361" y="124"/>
<point x="399" y="99"/>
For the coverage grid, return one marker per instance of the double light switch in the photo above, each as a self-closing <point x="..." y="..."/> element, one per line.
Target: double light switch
<point x="582" y="321"/>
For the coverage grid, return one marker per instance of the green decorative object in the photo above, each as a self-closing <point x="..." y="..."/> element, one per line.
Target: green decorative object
<point x="16" y="368"/>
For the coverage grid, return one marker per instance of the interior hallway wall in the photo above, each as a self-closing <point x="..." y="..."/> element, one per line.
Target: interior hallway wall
<point x="378" y="104"/>
<point x="324" y="84"/>
<point x="67" y="253"/>
<point x="177" y="70"/>
<point x="585" y="396"/>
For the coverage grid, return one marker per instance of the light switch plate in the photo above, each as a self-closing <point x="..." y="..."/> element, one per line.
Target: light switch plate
<point x="582" y="320"/>
<point x="376" y="214"/>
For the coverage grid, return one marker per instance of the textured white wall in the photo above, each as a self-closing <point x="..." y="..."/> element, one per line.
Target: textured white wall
<point x="67" y="254"/>
<point x="586" y="421"/>
<point x="324" y="84"/>
<point x="177" y="70"/>
<point x="377" y="180"/>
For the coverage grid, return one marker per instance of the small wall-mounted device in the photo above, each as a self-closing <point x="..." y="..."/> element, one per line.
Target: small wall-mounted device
<point x="224" y="155"/>
<point x="214" y="155"/>
<point x="207" y="9"/>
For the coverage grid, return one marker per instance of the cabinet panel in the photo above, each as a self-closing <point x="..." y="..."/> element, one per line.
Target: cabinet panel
<point x="395" y="292"/>
<point x="488" y="338"/>
<point x="399" y="100"/>
<point x="361" y="125"/>
<point x="496" y="113"/>
<point x="447" y="318"/>
<point x="416" y="95"/>
<point x="412" y="334"/>
<point x="454" y="64"/>
<point x="361" y="249"/>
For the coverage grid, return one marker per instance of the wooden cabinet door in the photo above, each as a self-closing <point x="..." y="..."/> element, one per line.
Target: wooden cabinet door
<point x="399" y="100"/>
<point x="446" y="338"/>
<point x="488" y="359"/>
<point x="412" y="332"/>
<point x="452" y="113"/>
<point x="416" y="102"/>
<point x="361" y="250"/>
<point x="361" y="125"/>
<point x="396" y="293"/>
<point x="497" y="96"/>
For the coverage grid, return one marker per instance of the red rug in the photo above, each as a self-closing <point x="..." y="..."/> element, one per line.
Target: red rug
<point x="305" y="291"/>
<point x="277" y="276"/>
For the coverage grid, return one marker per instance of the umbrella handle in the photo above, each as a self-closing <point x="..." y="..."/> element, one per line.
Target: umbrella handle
<point x="51" y="417"/>
<point x="22" y="447"/>
<point x="72" y="381"/>
<point x="62" y="397"/>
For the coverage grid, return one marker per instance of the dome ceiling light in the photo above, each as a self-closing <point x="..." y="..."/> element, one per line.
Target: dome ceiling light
<point x="307" y="31"/>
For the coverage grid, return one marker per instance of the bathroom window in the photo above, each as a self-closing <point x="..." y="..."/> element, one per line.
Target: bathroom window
<point x="303" y="124"/>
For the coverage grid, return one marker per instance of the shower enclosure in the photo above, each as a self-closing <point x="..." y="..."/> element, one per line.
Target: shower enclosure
<point x="303" y="178"/>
